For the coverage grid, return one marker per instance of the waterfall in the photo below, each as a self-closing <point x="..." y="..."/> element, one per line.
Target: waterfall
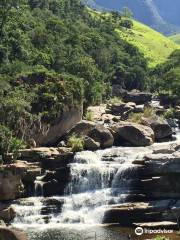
<point x="38" y="186"/>
<point x="97" y="179"/>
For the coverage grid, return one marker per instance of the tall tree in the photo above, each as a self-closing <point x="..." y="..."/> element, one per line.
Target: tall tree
<point x="126" y="12"/>
<point x="6" y="10"/>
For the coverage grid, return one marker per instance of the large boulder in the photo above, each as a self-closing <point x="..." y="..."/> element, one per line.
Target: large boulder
<point x="90" y="144"/>
<point x="11" y="186"/>
<point x="67" y="119"/>
<point x="128" y="214"/>
<point x="9" y="234"/>
<point x="81" y="128"/>
<point x="121" y="109"/>
<point x="118" y="91"/>
<point x="138" y="97"/>
<point x="102" y="135"/>
<point x="135" y="134"/>
<point x="160" y="127"/>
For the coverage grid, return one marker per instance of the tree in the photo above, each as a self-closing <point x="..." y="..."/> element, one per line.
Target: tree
<point x="126" y="12"/>
<point x="126" y="23"/>
<point x="6" y="7"/>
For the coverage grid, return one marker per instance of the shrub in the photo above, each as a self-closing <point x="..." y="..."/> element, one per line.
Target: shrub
<point x="76" y="143"/>
<point x="169" y="113"/>
<point x="126" y="23"/>
<point x="137" y="117"/>
<point x="115" y="100"/>
<point x="8" y="143"/>
<point x="161" y="238"/>
<point x="89" y="116"/>
<point x="149" y="112"/>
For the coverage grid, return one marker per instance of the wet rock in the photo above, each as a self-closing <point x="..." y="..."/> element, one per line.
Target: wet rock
<point x="7" y="213"/>
<point x="64" y="157"/>
<point x="138" y="97"/>
<point x="51" y="188"/>
<point x="52" y="206"/>
<point x="9" y="234"/>
<point x="90" y="144"/>
<point x="102" y="135"/>
<point x="141" y="212"/>
<point x="135" y="134"/>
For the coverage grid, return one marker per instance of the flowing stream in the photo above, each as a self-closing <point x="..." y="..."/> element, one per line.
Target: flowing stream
<point x="98" y="179"/>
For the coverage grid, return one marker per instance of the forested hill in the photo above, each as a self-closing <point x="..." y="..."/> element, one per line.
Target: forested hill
<point x="53" y="56"/>
<point x="163" y="15"/>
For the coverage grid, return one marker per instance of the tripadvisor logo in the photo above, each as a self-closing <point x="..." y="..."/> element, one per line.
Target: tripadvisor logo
<point x="139" y="231"/>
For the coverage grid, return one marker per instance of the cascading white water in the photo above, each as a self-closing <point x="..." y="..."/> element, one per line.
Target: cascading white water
<point x="98" y="179"/>
<point x="38" y="186"/>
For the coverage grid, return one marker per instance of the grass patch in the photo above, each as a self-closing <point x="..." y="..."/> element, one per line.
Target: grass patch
<point x="169" y="114"/>
<point x="137" y="117"/>
<point x="76" y="143"/>
<point x="175" y="38"/>
<point x="115" y="100"/>
<point x="155" y="46"/>
<point x="89" y="116"/>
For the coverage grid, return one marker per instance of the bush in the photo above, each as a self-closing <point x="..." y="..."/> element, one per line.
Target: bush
<point x="170" y="113"/>
<point x="137" y="117"/>
<point x="8" y="143"/>
<point x="76" y="143"/>
<point x="89" y="116"/>
<point x="126" y="23"/>
<point x="161" y="238"/>
<point x="115" y="100"/>
<point x="149" y="112"/>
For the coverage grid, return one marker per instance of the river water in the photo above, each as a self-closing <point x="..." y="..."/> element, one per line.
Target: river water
<point x="98" y="179"/>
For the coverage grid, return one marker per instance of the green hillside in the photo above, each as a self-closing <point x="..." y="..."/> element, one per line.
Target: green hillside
<point x="176" y="38"/>
<point x="154" y="45"/>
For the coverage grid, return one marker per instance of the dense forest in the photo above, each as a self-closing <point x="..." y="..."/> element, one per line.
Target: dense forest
<point x="57" y="54"/>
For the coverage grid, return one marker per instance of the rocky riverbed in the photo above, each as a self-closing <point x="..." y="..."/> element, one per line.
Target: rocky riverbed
<point x="127" y="175"/>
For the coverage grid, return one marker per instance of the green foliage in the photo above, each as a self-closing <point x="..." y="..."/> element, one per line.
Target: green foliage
<point x="161" y="238"/>
<point x="89" y="116"/>
<point x="115" y="100"/>
<point x="76" y="143"/>
<point x="176" y="38"/>
<point x="155" y="46"/>
<point x="170" y="113"/>
<point x="166" y="77"/>
<point x="56" y="55"/>
<point x="8" y="143"/>
<point x="126" y="23"/>
<point x="137" y="117"/>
